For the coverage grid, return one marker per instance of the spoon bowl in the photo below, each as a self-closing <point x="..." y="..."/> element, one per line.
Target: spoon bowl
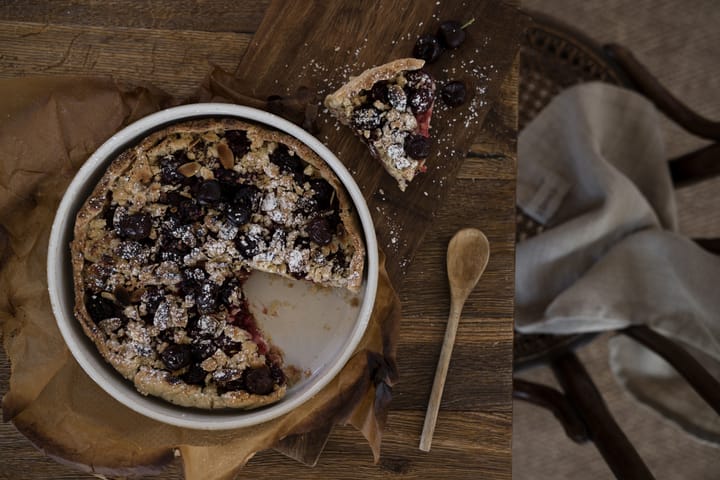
<point x="467" y="256"/>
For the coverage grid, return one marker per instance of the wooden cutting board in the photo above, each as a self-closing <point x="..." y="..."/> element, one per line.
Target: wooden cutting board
<point x="319" y="44"/>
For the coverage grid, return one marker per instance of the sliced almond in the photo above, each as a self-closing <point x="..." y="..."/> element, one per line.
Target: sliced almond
<point x="189" y="169"/>
<point x="227" y="159"/>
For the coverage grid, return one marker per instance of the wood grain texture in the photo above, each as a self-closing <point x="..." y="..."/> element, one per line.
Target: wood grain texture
<point x="482" y="453"/>
<point x="146" y="42"/>
<point x="174" y="61"/>
<point x="206" y="15"/>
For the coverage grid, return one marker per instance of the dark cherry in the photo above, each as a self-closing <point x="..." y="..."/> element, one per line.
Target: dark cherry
<point x="189" y="211"/>
<point x="203" y="349"/>
<point x="152" y="298"/>
<point x="194" y="273"/>
<point x="419" y="79"/>
<point x="195" y="375"/>
<point x="243" y="204"/>
<point x="397" y="97"/>
<point x="277" y="374"/>
<point x="188" y="286"/>
<point x="420" y="90"/>
<point x="172" y="250"/>
<point x="247" y="195"/>
<point x="209" y="192"/>
<point x="453" y="93"/>
<point x="228" y="346"/>
<point x="379" y="92"/>
<point x="227" y="289"/>
<point x="451" y="34"/>
<point x="206" y="298"/>
<point x="323" y="192"/>
<point x="176" y="356"/>
<point x="169" y="256"/>
<point x="168" y="169"/>
<point x="246" y="246"/>
<point x="427" y="47"/>
<point x="366" y="118"/>
<point x="135" y="227"/>
<point x="333" y="219"/>
<point x="193" y="182"/>
<point x="238" y="142"/>
<point x="122" y="295"/>
<point x="224" y="175"/>
<point x="288" y="163"/>
<point x="319" y="231"/>
<point x="417" y="146"/>
<point x="421" y="100"/>
<point x="100" y="308"/>
<point x="259" y="380"/>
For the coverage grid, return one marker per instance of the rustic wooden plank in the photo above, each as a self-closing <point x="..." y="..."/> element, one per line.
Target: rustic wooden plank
<point x="493" y="155"/>
<point x="175" y="61"/>
<point x="482" y="349"/>
<point x="208" y="15"/>
<point x="483" y="197"/>
<point x="425" y="292"/>
<point x="466" y="445"/>
<point x="339" y="39"/>
<point x="469" y="444"/>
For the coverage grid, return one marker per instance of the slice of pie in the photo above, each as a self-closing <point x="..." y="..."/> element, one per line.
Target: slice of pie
<point x="389" y="108"/>
<point x="171" y="232"/>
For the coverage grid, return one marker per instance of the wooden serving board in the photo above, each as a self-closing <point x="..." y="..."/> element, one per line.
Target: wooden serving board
<point x="319" y="44"/>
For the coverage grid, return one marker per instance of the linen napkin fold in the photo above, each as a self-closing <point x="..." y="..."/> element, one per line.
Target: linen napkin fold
<point x="592" y="170"/>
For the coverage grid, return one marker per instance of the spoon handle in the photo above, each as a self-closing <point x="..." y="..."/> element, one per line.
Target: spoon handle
<point x="440" y="374"/>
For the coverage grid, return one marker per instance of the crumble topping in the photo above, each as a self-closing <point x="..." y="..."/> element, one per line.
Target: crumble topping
<point x="180" y="230"/>
<point x="390" y="110"/>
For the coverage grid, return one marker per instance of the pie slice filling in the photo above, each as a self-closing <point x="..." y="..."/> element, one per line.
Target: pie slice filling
<point x="389" y="108"/>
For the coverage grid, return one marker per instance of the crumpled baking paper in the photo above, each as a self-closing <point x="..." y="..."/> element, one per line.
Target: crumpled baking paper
<point x="48" y="128"/>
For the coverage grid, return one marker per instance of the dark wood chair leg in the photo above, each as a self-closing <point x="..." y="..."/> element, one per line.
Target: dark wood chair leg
<point x="699" y="379"/>
<point x="696" y="166"/>
<point x="665" y="101"/>
<point x="611" y="442"/>
<point x="551" y="399"/>
<point x="711" y="245"/>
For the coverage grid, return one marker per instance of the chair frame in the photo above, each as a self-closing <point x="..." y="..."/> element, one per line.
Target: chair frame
<point x="553" y="57"/>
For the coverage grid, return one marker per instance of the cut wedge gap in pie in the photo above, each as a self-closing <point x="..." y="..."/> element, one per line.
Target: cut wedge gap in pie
<point x="163" y="246"/>
<point x="389" y="108"/>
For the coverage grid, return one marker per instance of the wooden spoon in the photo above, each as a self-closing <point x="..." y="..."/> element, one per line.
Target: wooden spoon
<point x="467" y="257"/>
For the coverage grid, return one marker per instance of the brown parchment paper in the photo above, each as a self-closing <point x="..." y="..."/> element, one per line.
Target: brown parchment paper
<point x="48" y="128"/>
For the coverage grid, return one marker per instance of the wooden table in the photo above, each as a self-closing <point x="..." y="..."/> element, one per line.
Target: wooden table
<point x="170" y="44"/>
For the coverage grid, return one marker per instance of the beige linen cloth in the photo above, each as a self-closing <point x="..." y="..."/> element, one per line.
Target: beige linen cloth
<point x="592" y="168"/>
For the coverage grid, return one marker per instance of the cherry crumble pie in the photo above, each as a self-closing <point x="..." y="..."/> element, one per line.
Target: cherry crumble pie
<point x="389" y="108"/>
<point x="166" y="240"/>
